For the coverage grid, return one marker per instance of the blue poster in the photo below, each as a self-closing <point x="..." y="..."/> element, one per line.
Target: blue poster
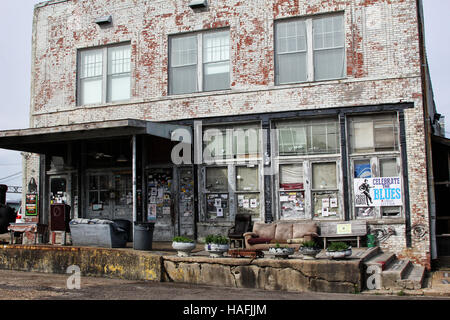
<point x="363" y="171"/>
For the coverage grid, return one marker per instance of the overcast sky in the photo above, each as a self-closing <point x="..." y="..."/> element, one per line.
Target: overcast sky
<point x="15" y="67"/>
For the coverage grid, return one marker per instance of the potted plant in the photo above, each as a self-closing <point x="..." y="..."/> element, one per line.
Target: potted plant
<point x="309" y="250"/>
<point x="183" y="245"/>
<point x="339" y="250"/>
<point x="216" y="245"/>
<point x="281" y="252"/>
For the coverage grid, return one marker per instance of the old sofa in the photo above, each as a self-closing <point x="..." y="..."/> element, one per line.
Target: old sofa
<point x="292" y="234"/>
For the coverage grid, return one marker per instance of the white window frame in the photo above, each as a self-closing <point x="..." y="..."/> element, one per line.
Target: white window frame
<point x="105" y="75"/>
<point x="200" y="61"/>
<point x="310" y="76"/>
<point x="307" y="160"/>
<point x="374" y="159"/>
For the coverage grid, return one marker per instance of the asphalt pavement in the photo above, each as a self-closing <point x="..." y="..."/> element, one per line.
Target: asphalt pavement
<point x="15" y="285"/>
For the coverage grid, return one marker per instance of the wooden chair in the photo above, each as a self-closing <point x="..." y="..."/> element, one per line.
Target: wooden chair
<point x="242" y="224"/>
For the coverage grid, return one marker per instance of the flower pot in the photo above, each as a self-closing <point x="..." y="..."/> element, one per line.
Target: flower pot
<point x="281" y="252"/>
<point x="183" y="248"/>
<point x="216" y="250"/>
<point x="309" y="253"/>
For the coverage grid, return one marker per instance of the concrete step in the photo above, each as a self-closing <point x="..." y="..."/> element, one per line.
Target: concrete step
<point x="414" y="278"/>
<point x="381" y="260"/>
<point x="395" y="271"/>
<point x="367" y="254"/>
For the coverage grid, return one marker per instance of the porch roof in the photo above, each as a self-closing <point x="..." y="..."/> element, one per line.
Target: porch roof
<point x="38" y="140"/>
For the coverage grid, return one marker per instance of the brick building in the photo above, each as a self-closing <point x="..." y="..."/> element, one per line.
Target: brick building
<point x="300" y="102"/>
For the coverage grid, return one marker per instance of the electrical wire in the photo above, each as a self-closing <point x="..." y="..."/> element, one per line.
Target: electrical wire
<point x="11" y="176"/>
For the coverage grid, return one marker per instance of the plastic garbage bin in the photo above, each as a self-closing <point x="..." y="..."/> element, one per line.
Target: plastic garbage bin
<point x="127" y="226"/>
<point x="143" y="235"/>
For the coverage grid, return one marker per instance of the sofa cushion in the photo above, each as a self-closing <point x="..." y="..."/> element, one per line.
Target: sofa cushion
<point x="274" y="241"/>
<point x="296" y="241"/>
<point x="283" y="231"/>
<point x="265" y="230"/>
<point x="299" y="230"/>
<point x="259" y="240"/>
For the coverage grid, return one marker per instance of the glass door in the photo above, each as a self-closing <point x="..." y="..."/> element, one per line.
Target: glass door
<point x="99" y="195"/>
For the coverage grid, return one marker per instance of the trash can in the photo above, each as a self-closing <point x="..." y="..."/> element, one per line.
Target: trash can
<point x="371" y="241"/>
<point x="143" y="235"/>
<point x="127" y="226"/>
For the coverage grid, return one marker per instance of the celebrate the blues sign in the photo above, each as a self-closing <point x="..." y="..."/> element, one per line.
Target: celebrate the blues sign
<point x="378" y="192"/>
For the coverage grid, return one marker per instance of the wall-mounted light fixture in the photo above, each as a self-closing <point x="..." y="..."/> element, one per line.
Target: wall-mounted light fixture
<point x="195" y="4"/>
<point x="104" y="20"/>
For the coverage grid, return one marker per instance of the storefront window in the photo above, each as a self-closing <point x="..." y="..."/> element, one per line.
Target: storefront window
<point x="217" y="179"/>
<point x="375" y="133"/>
<point x="217" y="197"/>
<point x="247" y="179"/>
<point x="124" y="190"/>
<point x="320" y="136"/>
<point x="216" y="143"/>
<point x="324" y="191"/>
<point x="237" y="142"/>
<point x="247" y="190"/>
<point x="98" y="189"/>
<point x="374" y="148"/>
<point x="389" y="168"/>
<point x="292" y="191"/>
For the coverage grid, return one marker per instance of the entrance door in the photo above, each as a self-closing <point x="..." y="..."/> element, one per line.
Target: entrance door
<point x="186" y="202"/>
<point x="110" y="196"/>
<point x="160" y="203"/>
<point x="123" y="195"/>
<point x="100" y="196"/>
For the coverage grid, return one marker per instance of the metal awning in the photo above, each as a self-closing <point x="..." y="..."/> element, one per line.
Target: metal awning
<point x="37" y="140"/>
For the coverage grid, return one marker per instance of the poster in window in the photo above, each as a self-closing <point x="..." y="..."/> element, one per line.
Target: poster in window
<point x="292" y="204"/>
<point x="378" y="192"/>
<point x="151" y="212"/>
<point x="362" y="170"/>
<point x="322" y="204"/>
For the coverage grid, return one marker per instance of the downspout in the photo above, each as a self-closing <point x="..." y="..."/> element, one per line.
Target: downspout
<point x="134" y="187"/>
<point x="428" y="153"/>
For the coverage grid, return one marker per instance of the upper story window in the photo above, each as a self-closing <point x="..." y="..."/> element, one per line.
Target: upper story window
<point x="104" y="75"/>
<point x="199" y="62"/>
<point x="310" y="49"/>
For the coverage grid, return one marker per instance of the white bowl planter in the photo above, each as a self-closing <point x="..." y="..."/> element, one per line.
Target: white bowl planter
<point x="339" y="254"/>
<point x="309" y="253"/>
<point x="216" y="250"/>
<point x="183" y="248"/>
<point x="281" y="252"/>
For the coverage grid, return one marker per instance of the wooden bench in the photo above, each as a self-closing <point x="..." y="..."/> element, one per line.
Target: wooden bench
<point x="343" y="231"/>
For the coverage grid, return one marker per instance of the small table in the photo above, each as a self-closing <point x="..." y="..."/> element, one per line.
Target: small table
<point x="246" y="253"/>
<point x="237" y="242"/>
<point x="32" y="227"/>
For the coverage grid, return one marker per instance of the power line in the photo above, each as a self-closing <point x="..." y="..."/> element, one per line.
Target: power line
<point x="13" y="175"/>
<point x="10" y="179"/>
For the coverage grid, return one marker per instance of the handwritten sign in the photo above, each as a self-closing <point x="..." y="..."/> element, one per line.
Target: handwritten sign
<point x="344" y="228"/>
